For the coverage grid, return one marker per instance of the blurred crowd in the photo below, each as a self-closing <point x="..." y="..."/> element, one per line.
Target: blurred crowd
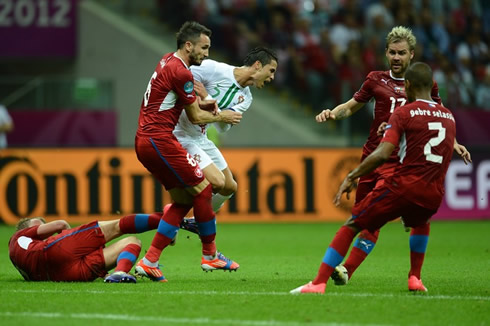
<point x="327" y="47"/>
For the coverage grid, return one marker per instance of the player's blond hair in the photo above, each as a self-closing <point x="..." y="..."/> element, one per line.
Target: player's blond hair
<point x="401" y="33"/>
<point x="25" y="222"/>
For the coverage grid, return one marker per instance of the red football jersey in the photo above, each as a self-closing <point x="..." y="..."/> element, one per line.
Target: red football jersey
<point x="26" y="251"/>
<point x="389" y="94"/>
<point x="170" y="88"/>
<point x="425" y="133"/>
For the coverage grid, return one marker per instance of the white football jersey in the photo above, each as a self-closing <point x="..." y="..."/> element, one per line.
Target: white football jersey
<point x="219" y="81"/>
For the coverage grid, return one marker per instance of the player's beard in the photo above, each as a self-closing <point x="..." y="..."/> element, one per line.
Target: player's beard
<point x="194" y="59"/>
<point x="402" y="68"/>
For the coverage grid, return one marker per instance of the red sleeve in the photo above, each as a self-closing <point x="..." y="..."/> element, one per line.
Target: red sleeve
<point x="28" y="232"/>
<point x="183" y="85"/>
<point x="435" y="93"/>
<point x="365" y="93"/>
<point x="395" y="128"/>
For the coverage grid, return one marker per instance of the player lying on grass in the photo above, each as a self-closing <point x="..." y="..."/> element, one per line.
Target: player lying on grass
<point x="425" y="133"/>
<point x="54" y="252"/>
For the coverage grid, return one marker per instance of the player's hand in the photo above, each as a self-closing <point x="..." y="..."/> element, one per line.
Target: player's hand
<point x="381" y="128"/>
<point x="208" y="105"/>
<point x="463" y="152"/>
<point x="200" y="89"/>
<point x="346" y="186"/>
<point x="324" y="116"/>
<point x="230" y="116"/>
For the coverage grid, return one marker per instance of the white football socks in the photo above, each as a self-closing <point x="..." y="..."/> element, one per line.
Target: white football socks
<point x="149" y="263"/>
<point x="218" y="201"/>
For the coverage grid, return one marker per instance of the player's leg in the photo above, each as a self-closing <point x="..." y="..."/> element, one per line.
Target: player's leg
<point x="362" y="247"/>
<point x="419" y="238"/>
<point x="227" y="192"/>
<point x="170" y="164"/>
<point x="210" y="170"/>
<point x="122" y="254"/>
<point x="365" y="242"/>
<point x="215" y="177"/>
<point x="334" y="255"/>
<point x="206" y="223"/>
<point x="371" y="213"/>
<point x="129" y="224"/>
<point x="230" y="185"/>
<point x="216" y="170"/>
<point x="166" y="232"/>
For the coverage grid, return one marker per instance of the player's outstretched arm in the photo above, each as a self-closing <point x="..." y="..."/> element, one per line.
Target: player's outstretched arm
<point x="340" y="112"/>
<point x="463" y="152"/>
<point x="46" y="230"/>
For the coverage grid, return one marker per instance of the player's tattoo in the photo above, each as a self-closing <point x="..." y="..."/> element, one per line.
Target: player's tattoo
<point x="341" y="114"/>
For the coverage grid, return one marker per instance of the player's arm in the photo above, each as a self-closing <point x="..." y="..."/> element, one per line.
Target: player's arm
<point x="197" y="115"/>
<point x="340" y="112"/>
<point x="463" y="152"/>
<point x="375" y="159"/>
<point x="46" y="230"/>
<point x="201" y="90"/>
<point x="222" y="127"/>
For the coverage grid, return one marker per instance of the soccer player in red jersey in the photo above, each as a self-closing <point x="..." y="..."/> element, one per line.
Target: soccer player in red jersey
<point x="425" y="133"/>
<point x="387" y="89"/>
<point x="54" y="252"/>
<point x="171" y="90"/>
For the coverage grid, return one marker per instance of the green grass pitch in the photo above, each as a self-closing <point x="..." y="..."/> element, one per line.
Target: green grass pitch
<point x="274" y="259"/>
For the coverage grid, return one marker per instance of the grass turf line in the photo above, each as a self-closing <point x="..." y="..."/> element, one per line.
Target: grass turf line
<point x="274" y="259"/>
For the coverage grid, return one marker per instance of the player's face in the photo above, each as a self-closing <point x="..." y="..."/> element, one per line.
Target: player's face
<point x="399" y="56"/>
<point x="266" y="74"/>
<point x="199" y="50"/>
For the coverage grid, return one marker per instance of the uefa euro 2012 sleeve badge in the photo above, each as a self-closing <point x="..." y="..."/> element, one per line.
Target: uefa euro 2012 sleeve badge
<point x="188" y="87"/>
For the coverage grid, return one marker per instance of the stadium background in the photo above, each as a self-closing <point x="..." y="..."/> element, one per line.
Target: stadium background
<point x="72" y="74"/>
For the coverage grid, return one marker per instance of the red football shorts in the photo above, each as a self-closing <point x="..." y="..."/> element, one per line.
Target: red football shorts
<point x="168" y="162"/>
<point x="383" y="205"/>
<point x="76" y="254"/>
<point x="368" y="182"/>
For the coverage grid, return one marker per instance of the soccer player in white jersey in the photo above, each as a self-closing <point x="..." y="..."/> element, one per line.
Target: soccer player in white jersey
<point x="229" y="86"/>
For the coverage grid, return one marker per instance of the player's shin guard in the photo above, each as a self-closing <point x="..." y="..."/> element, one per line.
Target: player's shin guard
<point x="335" y="253"/>
<point x="419" y="238"/>
<point x="206" y="221"/>
<point x="167" y="230"/>
<point x="138" y="223"/>
<point x="127" y="258"/>
<point x="362" y="248"/>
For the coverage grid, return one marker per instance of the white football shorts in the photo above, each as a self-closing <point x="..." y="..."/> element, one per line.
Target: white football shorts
<point x="205" y="152"/>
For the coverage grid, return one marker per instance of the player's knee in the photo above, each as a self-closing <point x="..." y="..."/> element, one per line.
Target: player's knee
<point x="230" y="188"/>
<point x="133" y="240"/>
<point x="352" y="225"/>
<point x="217" y="183"/>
